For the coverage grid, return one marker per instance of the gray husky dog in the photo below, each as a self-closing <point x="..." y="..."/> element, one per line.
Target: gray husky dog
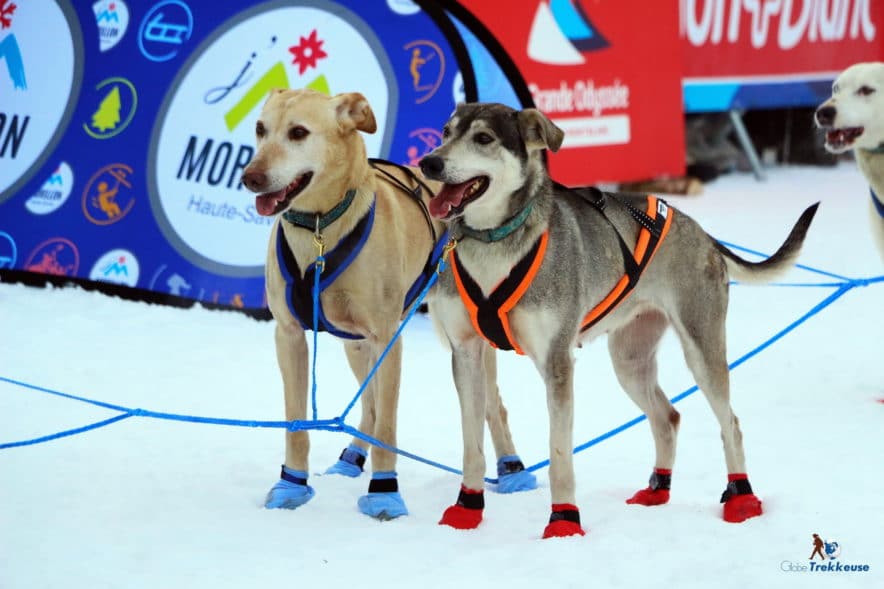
<point x="540" y="268"/>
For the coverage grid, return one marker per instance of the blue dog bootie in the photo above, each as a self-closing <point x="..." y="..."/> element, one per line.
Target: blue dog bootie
<point x="512" y="476"/>
<point x="290" y="491"/>
<point x="350" y="463"/>
<point x="383" y="500"/>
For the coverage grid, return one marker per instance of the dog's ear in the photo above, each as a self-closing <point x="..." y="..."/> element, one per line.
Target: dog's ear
<point x="538" y="131"/>
<point x="354" y="112"/>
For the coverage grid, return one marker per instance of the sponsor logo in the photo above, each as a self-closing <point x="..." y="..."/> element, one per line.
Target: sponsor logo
<point x="53" y="193"/>
<point x="173" y="283"/>
<point x="204" y="134"/>
<point x="827" y="552"/>
<point x="585" y="106"/>
<point x="164" y="30"/>
<point x="118" y="266"/>
<point x="403" y="7"/>
<point x="421" y="142"/>
<point x="8" y="251"/>
<point x="112" y="17"/>
<point x="562" y="34"/>
<point x="58" y="256"/>
<point x="713" y="22"/>
<point x="108" y="195"/>
<point x="117" y="104"/>
<point x="35" y="38"/>
<point x="427" y="68"/>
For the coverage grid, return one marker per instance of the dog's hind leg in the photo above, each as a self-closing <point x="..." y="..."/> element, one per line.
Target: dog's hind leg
<point x="511" y="474"/>
<point x="470" y="379"/>
<point x="633" y="350"/>
<point x="352" y="460"/>
<point x="383" y="500"/>
<point x="703" y="339"/>
<point x="292" y="490"/>
<point x="557" y="370"/>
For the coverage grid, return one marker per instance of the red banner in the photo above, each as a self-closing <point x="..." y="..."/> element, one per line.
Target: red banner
<point x="608" y="72"/>
<point x="779" y="39"/>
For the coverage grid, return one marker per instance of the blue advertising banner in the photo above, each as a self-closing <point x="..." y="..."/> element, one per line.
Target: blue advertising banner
<point x="124" y="126"/>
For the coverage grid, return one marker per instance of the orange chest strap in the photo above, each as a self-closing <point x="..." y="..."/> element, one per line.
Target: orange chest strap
<point x="490" y="315"/>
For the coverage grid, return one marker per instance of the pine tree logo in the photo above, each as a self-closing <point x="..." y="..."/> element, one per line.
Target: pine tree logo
<point x="108" y="114"/>
<point x="116" y="108"/>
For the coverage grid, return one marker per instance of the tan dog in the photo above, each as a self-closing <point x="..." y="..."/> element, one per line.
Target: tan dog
<point x="311" y="170"/>
<point x="853" y="118"/>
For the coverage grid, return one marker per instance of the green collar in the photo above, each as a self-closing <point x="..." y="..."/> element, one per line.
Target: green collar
<point x="879" y="149"/>
<point x="316" y="221"/>
<point x="498" y="233"/>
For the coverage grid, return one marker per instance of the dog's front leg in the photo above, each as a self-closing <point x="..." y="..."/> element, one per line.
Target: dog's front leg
<point x="470" y="379"/>
<point x="383" y="500"/>
<point x="558" y="374"/>
<point x="292" y="490"/>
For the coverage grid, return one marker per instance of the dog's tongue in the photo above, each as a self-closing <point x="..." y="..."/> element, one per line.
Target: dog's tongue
<point x="449" y="196"/>
<point x="266" y="203"/>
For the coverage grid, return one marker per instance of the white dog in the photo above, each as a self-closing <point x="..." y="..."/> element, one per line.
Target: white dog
<point x="853" y="118"/>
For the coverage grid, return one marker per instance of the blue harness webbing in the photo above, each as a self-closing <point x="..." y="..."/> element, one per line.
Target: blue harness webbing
<point x="299" y="287"/>
<point x="878" y="205"/>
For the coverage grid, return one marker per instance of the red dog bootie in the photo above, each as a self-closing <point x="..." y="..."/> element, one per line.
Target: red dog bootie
<point x="564" y="521"/>
<point x="657" y="492"/>
<point x="739" y="502"/>
<point x="466" y="514"/>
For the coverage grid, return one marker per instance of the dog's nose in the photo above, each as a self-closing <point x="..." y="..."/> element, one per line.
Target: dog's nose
<point x="825" y="116"/>
<point x="255" y="181"/>
<point x="432" y="165"/>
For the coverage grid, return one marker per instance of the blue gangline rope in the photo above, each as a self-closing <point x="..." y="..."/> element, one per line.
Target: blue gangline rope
<point x="337" y="424"/>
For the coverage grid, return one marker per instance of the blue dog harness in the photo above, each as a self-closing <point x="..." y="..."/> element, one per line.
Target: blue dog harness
<point x="299" y="287"/>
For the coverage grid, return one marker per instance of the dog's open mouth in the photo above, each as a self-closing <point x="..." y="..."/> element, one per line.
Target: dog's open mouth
<point x="270" y="203"/>
<point x="842" y="138"/>
<point x="453" y="198"/>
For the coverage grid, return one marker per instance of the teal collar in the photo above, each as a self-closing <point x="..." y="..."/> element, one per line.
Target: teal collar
<point x="498" y="233"/>
<point x="316" y="221"/>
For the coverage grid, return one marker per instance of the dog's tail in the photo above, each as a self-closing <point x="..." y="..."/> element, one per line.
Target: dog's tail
<point x="776" y="265"/>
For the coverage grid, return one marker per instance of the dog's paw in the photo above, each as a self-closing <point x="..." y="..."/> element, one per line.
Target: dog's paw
<point x="739" y="508"/>
<point x="649" y="497"/>
<point x="350" y="462"/>
<point x="564" y="521"/>
<point x="461" y="518"/>
<point x="512" y="476"/>
<point x="289" y="492"/>
<point x="383" y="506"/>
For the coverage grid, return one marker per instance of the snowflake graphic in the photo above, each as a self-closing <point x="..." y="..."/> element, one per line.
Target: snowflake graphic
<point x="307" y="52"/>
<point x="6" y="10"/>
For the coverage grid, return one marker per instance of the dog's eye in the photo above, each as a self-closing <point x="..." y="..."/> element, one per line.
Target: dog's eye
<point x="298" y="133"/>
<point x="483" y="138"/>
<point x="260" y="131"/>
<point x="865" y="90"/>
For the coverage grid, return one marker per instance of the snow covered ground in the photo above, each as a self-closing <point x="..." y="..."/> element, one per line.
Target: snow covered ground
<point x="147" y="503"/>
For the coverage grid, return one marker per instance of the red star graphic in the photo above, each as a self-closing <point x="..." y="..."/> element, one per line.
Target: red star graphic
<point x="307" y="52"/>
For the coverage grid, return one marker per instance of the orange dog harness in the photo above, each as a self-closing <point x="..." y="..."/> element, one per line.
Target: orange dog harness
<point x="490" y="315"/>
